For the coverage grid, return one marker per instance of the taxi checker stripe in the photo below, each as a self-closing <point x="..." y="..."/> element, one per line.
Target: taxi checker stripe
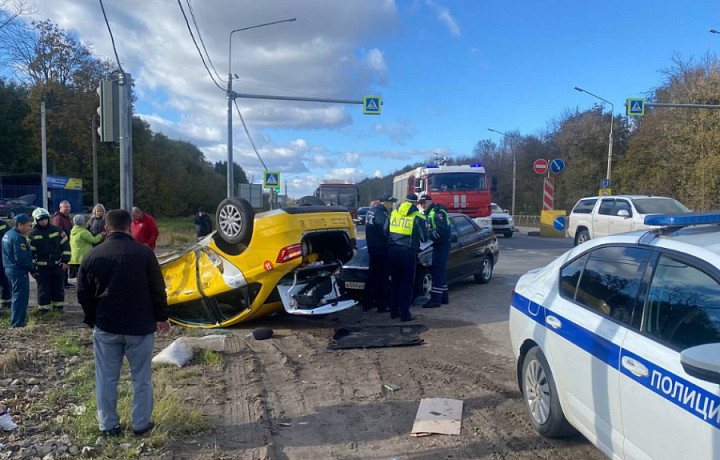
<point x="681" y="392"/>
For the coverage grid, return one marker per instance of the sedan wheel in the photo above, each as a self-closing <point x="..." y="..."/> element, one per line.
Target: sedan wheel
<point x="486" y="269"/>
<point x="11" y="214"/>
<point x="541" y="398"/>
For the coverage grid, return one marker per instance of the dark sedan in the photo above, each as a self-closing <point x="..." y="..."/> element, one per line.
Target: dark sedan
<point x="474" y="252"/>
<point x="361" y="215"/>
<point x="11" y="207"/>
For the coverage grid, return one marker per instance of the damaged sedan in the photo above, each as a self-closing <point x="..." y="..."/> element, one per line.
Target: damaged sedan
<point x="255" y="265"/>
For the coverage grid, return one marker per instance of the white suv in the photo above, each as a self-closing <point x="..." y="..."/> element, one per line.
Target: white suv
<point x="502" y="222"/>
<point x="619" y="338"/>
<point x="595" y="216"/>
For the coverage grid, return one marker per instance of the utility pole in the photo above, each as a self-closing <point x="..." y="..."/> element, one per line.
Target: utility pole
<point x="94" y="159"/>
<point x="125" y="138"/>
<point x="44" y="154"/>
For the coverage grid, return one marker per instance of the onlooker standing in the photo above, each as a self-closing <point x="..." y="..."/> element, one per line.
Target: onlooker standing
<point x="203" y="223"/>
<point x="122" y="292"/>
<point x="5" y="295"/>
<point x="376" y="290"/>
<point x="144" y="228"/>
<point x="51" y="253"/>
<point x="18" y="263"/>
<point x="81" y="241"/>
<point x="96" y="224"/>
<point x="405" y="230"/>
<point x="61" y="219"/>
<point x="439" y="230"/>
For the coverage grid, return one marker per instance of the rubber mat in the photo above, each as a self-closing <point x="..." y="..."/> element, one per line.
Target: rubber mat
<point x="377" y="336"/>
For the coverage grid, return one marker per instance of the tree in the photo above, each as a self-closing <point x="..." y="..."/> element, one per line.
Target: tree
<point x="239" y="176"/>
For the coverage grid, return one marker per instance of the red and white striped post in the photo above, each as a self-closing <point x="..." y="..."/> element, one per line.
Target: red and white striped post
<point x="548" y="193"/>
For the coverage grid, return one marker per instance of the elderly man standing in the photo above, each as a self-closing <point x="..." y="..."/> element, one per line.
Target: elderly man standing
<point x="122" y="293"/>
<point x="18" y="264"/>
<point x="144" y="228"/>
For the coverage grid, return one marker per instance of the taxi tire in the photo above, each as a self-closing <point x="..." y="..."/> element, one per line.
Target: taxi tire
<point x="556" y="425"/>
<point x="234" y="221"/>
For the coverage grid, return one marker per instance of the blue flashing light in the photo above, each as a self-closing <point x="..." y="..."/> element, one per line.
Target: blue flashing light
<point x="476" y="165"/>
<point x="682" y="220"/>
<point x="431" y="166"/>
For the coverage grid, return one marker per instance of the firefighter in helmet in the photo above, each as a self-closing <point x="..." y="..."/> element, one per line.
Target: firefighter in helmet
<point x="50" y="248"/>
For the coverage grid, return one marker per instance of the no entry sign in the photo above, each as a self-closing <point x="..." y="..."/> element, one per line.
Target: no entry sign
<point x="540" y="166"/>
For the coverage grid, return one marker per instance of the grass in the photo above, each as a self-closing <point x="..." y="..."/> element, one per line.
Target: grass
<point x="174" y="417"/>
<point x="177" y="231"/>
<point x="10" y="361"/>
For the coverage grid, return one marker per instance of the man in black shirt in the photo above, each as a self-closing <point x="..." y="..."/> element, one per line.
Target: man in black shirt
<point x="122" y="292"/>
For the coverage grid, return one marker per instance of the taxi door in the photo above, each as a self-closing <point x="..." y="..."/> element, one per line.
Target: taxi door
<point x="668" y="414"/>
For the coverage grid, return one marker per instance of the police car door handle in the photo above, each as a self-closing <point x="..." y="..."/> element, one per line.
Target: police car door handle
<point x="634" y="367"/>
<point x="553" y="322"/>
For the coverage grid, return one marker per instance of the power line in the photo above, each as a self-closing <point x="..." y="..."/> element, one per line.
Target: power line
<point x="248" y="135"/>
<point x="202" y="42"/>
<point x="197" y="47"/>
<point x="112" y="39"/>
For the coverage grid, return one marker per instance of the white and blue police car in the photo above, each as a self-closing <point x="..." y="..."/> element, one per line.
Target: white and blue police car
<point x="619" y="338"/>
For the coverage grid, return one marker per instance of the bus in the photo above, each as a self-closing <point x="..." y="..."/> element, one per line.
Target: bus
<point x="339" y="192"/>
<point x="461" y="188"/>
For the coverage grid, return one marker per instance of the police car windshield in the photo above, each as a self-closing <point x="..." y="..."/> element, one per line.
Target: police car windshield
<point x="460" y="181"/>
<point x="659" y="206"/>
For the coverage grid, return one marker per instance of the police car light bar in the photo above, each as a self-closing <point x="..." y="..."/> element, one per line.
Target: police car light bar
<point x="431" y="166"/>
<point x="683" y="220"/>
<point x="476" y="165"/>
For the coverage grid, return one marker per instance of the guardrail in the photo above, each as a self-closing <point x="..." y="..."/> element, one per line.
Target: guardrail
<point x="526" y="221"/>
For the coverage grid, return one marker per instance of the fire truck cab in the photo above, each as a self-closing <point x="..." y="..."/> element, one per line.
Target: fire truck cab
<point x="461" y="188"/>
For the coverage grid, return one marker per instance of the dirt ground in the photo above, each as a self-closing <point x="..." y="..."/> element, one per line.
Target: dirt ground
<point x="290" y="397"/>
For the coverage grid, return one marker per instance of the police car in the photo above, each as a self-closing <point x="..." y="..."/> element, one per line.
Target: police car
<point x="619" y="338"/>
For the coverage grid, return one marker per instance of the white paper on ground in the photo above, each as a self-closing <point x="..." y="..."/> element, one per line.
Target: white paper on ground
<point x="438" y="415"/>
<point x="181" y="350"/>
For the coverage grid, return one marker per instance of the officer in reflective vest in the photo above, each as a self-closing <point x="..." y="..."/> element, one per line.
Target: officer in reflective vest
<point x="51" y="253"/>
<point x="377" y="292"/>
<point x="405" y="230"/>
<point x="439" y="230"/>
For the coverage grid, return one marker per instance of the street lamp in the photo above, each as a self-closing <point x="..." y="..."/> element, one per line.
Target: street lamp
<point x="512" y="148"/>
<point x="231" y="98"/>
<point x="612" y="116"/>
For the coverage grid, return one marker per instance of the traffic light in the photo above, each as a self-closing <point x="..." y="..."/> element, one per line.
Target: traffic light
<point x="109" y="111"/>
<point x="277" y="190"/>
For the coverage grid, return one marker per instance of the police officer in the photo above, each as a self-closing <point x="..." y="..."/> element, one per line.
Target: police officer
<point x="5" y="289"/>
<point x="405" y="230"/>
<point x="438" y="225"/>
<point x="51" y="254"/>
<point x="376" y="291"/>
<point x="18" y="263"/>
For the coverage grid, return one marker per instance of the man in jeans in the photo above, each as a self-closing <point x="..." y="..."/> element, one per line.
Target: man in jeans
<point x="122" y="292"/>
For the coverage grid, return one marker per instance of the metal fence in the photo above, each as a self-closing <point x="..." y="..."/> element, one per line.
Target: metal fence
<point x="526" y="221"/>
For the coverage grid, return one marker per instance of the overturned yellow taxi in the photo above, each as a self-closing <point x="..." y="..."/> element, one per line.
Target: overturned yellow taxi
<point x="254" y="265"/>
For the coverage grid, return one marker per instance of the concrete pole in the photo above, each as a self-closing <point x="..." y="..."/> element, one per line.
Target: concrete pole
<point x="125" y="138"/>
<point x="44" y="155"/>
<point x="94" y="159"/>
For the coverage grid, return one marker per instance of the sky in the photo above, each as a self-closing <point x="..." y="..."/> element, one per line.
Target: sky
<point x="446" y="70"/>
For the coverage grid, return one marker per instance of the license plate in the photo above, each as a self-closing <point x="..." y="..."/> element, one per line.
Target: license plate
<point x="354" y="285"/>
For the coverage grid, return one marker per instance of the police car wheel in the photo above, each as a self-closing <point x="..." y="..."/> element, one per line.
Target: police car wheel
<point x="581" y="237"/>
<point x="235" y="221"/>
<point x="540" y="397"/>
<point x="486" y="269"/>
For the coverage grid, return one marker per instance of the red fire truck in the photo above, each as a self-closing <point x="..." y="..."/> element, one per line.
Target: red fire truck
<point x="339" y="192"/>
<point x="461" y="188"/>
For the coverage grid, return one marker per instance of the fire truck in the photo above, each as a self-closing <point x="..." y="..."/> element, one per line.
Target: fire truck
<point x="340" y="192"/>
<point x="461" y="188"/>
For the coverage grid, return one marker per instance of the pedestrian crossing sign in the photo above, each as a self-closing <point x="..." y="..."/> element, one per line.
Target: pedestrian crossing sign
<point x="371" y="105"/>
<point x="635" y="107"/>
<point x="271" y="179"/>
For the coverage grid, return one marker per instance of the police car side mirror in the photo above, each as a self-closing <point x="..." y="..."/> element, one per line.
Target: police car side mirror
<point x="702" y="362"/>
<point x="453" y="238"/>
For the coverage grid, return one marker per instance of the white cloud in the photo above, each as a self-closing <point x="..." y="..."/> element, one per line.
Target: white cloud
<point x="401" y="132"/>
<point x="444" y="16"/>
<point x="352" y="159"/>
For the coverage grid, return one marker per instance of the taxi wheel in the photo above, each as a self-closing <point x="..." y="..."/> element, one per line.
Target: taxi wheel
<point x="486" y="269"/>
<point x="235" y="220"/>
<point x="581" y="237"/>
<point x="540" y="397"/>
